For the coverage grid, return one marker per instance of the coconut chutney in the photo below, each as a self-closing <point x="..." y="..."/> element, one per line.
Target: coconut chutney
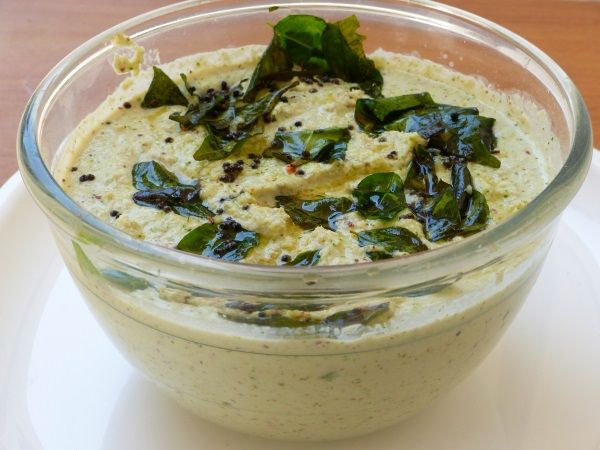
<point x="120" y="133"/>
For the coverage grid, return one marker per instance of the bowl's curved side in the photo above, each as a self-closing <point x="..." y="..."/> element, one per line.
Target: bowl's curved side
<point x="323" y="384"/>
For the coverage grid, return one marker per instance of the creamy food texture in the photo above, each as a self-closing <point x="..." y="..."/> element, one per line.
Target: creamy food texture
<point x="130" y="56"/>
<point x="96" y="168"/>
<point x="288" y="367"/>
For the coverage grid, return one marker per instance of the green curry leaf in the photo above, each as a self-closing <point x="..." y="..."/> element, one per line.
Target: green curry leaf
<point x="273" y="64"/>
<point x="198" y="113"/>
<point x="184" y="200"/>
<point x="161" y="189"/>
<point x="477" y="213"/>
<point x="299" y="147"/>
<point x="435" y="204"/>
<point x="248" y="114"/>
<point x="300" y="38"/>
<point x="227" y="133"/>
<point x="304" y="259"/>
<point x="223" y="115"/>
<point x="475" y="140"/>
<point x="458" y="132"/>
<point x="380" y="196"/>
<point x="386" y="241"/>
<point x="215" y="146"/>
<point x="308" y="45"/>
<point x="372" y="114"/>
<point x="228" y="241"/>
<point x="471" y="203"/>
<point x="310" y="214"/>
<point x="149" y="175"/>
<point x="443" y="220"/>
<point x="345" y="56"/>
<point x="446" y="210"/>
<point x="163" y="91"/>
<point x="462" y="184"/>
<point x="421" y="176"/>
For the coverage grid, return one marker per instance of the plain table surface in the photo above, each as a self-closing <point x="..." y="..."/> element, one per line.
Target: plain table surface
<point x="36" y="34"/>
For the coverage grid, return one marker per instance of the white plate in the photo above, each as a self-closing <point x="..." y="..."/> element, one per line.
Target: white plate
<point x="64" y="386"/>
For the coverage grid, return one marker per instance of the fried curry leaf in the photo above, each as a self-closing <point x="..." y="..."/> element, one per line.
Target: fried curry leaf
<point x="198" y="113"/>
<point x="248" y="114"/>
<point x="300" y="37"/>
<point x="161" y="189"/>
<point x="296" y="40"/>
<point x="273" y="64"/>
<point x="380" y="196"/>
<point x="443" y="220"/>
<point x="228" y="241"/>
<point x="310" y="214"/>
<point x="386" y="241"/>
<point x="308" y="45"/>
<point x="458" y="132"/>
<point x="215" y="146"/>
<point x="304" y="259"/>
<point x="163" y="91"/>
<point x="150" y="175"/>
<point x="433" y="203"/>
<point x="225" y="114"/>
<point x="475" y="140"/>
<point x="431" y="121"/>
<point x="372" y="114"/>
<point x="421" y="176"/>
<point x="345" y="56"/>
<point x="299" y="147"/>
<point x="476" y="216"/>
<point x="302" y="315"/>
<point x="215" y="108"/>
<point x="228" y="132"/>
<point x="462" y="184"/>
<point x="471" y="203"/>
<point x="459" y="135"/>
<point x="446" y="210"/>
<point x="183" y="200"/>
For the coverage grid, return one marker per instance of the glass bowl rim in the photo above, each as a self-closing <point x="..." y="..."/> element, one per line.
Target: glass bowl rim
<point x="33" y="169"/>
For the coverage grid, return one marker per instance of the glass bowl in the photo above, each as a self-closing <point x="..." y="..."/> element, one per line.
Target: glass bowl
<point x="168" y="312"/>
